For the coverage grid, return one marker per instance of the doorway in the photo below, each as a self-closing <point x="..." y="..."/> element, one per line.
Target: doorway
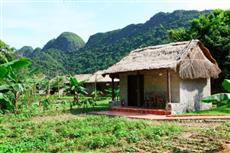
<point x="136" y="90"/>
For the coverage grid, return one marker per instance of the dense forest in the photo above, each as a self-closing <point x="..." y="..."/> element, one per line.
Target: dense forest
<point x="69" y="54"/>
<point x="214" y="31"/>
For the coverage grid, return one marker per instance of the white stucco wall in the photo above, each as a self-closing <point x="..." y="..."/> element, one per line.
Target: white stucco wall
<point x="156" y="82"/>
<point x="186" y="94"/>
<point x="191" y="92"/>
<point x="123" y="88"/>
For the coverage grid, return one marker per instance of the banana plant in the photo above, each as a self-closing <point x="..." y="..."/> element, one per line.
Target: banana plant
<point x="116" y="92"/>
<point x="57" y="83"/>
<point x="220" y="98"/>
<point x="95" y="94"/>
<point x="76" y="89"/>
<point x="12" y="84"/>
<point x="5" y="103"/>
<point x="53" y="85"/>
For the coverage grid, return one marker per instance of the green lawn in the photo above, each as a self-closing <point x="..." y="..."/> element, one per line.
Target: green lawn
<point x="57" y="106"/>
<point x="90" y="133"/>
<point x="59" y="129"/>
<point x="223" y="110"/>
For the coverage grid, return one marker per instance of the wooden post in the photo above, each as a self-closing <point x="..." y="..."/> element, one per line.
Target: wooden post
<point x="169" y="87"/>
<point x="95" y="86"/>
<point x="113" y="94"/>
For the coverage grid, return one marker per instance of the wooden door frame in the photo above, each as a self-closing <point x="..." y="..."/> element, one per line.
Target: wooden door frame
<point x="139" y="88"/>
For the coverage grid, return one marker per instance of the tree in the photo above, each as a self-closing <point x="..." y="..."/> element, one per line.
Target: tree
<point x="116" y="92"/>
<point x="76" y="89"/>
<point x="12" y="82"/>
<point x="214" y="31"/>
<point x="6" y="53"/>
<point x="57" y="83"/>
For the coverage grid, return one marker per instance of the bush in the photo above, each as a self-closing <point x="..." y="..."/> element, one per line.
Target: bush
<point x="101" y="141"/>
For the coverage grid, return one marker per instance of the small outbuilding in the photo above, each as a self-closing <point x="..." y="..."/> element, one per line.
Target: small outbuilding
<point x="96" y="81"/>
<point x="172" y="77"/>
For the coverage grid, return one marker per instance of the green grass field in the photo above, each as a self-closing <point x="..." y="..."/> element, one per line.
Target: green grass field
<point x="223" y="110"/>
<point x="59" y="129"/>
<point x="90" y="133"/>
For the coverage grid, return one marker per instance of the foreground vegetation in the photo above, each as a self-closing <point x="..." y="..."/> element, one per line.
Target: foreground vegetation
<point x="61" y="129"/>
<point x="88" y="133"/>
<point x="220" y="100"/>
<point x="222" y="110"/>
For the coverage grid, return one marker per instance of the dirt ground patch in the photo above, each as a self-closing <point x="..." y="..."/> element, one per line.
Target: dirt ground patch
<point x="61" y="117"/>
<point x="226" y="148"/>
<point x="202" y="137"/>
<point x="201" y="124"/>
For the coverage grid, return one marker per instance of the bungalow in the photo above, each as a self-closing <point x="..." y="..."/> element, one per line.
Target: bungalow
<point x="172" y="77"/>
<point x="96" y="81"/>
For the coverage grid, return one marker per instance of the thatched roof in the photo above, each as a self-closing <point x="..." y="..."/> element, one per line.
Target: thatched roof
<point x="83" y="77"/>
<point x="190" y="59"/>
<point x="96" y="77"/>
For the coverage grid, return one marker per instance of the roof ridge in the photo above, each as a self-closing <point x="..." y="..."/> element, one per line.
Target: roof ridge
<point x="162" y="45"/>
<point x="185" y="49"/>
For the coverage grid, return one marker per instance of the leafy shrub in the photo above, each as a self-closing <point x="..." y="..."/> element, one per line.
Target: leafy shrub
<point x="220" y="99"/>
<point x="119" y="130"/>
<point x="133" y="137"/>
<point x="101" y="141"/>
<point x="81" y="134"/>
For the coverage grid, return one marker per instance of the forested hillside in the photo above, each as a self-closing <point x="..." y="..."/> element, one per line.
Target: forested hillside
<point x="54" y="58"/>
<point x="69" y="54"/>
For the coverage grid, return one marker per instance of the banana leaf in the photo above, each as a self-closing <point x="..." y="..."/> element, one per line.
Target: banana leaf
<point x="15" y="64"/>
<point x="5" y="87"/>
<point x="18" y="87"/>
<point x="3" y="72"/>
<point x="5" y="102"/>
<point x="226" y="85"/>
<point x="4" y="98"/>
<point x="73" y="81"/>
<point x="20" y="63"/>
<point x="220" y="97"/>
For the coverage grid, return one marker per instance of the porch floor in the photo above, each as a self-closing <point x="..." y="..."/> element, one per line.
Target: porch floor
<point x="164" y="117"/>
<point x="140" y="110"/>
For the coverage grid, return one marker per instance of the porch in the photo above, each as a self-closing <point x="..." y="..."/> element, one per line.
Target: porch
<point x="146" y="91"/>
<point x="140" y="110"/>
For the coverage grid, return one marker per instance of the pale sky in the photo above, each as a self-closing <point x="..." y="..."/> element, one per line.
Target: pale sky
<point x="34" y="22"/>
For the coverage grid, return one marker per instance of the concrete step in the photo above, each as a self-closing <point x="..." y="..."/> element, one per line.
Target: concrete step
<point x="141" y="110"/>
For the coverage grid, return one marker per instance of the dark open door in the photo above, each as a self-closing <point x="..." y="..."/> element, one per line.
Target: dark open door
<point x="136" y="90"/>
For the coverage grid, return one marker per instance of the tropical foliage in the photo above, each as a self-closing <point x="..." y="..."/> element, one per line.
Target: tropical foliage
<point x="109" y="92"/>
<point x="6" y="52"/>
<point x="12" y="83"/>
<point x="214" y="31"/>
<point x="220" y="99"/>
<point x="34" y="90"/>
<point x="76" y="88"/>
